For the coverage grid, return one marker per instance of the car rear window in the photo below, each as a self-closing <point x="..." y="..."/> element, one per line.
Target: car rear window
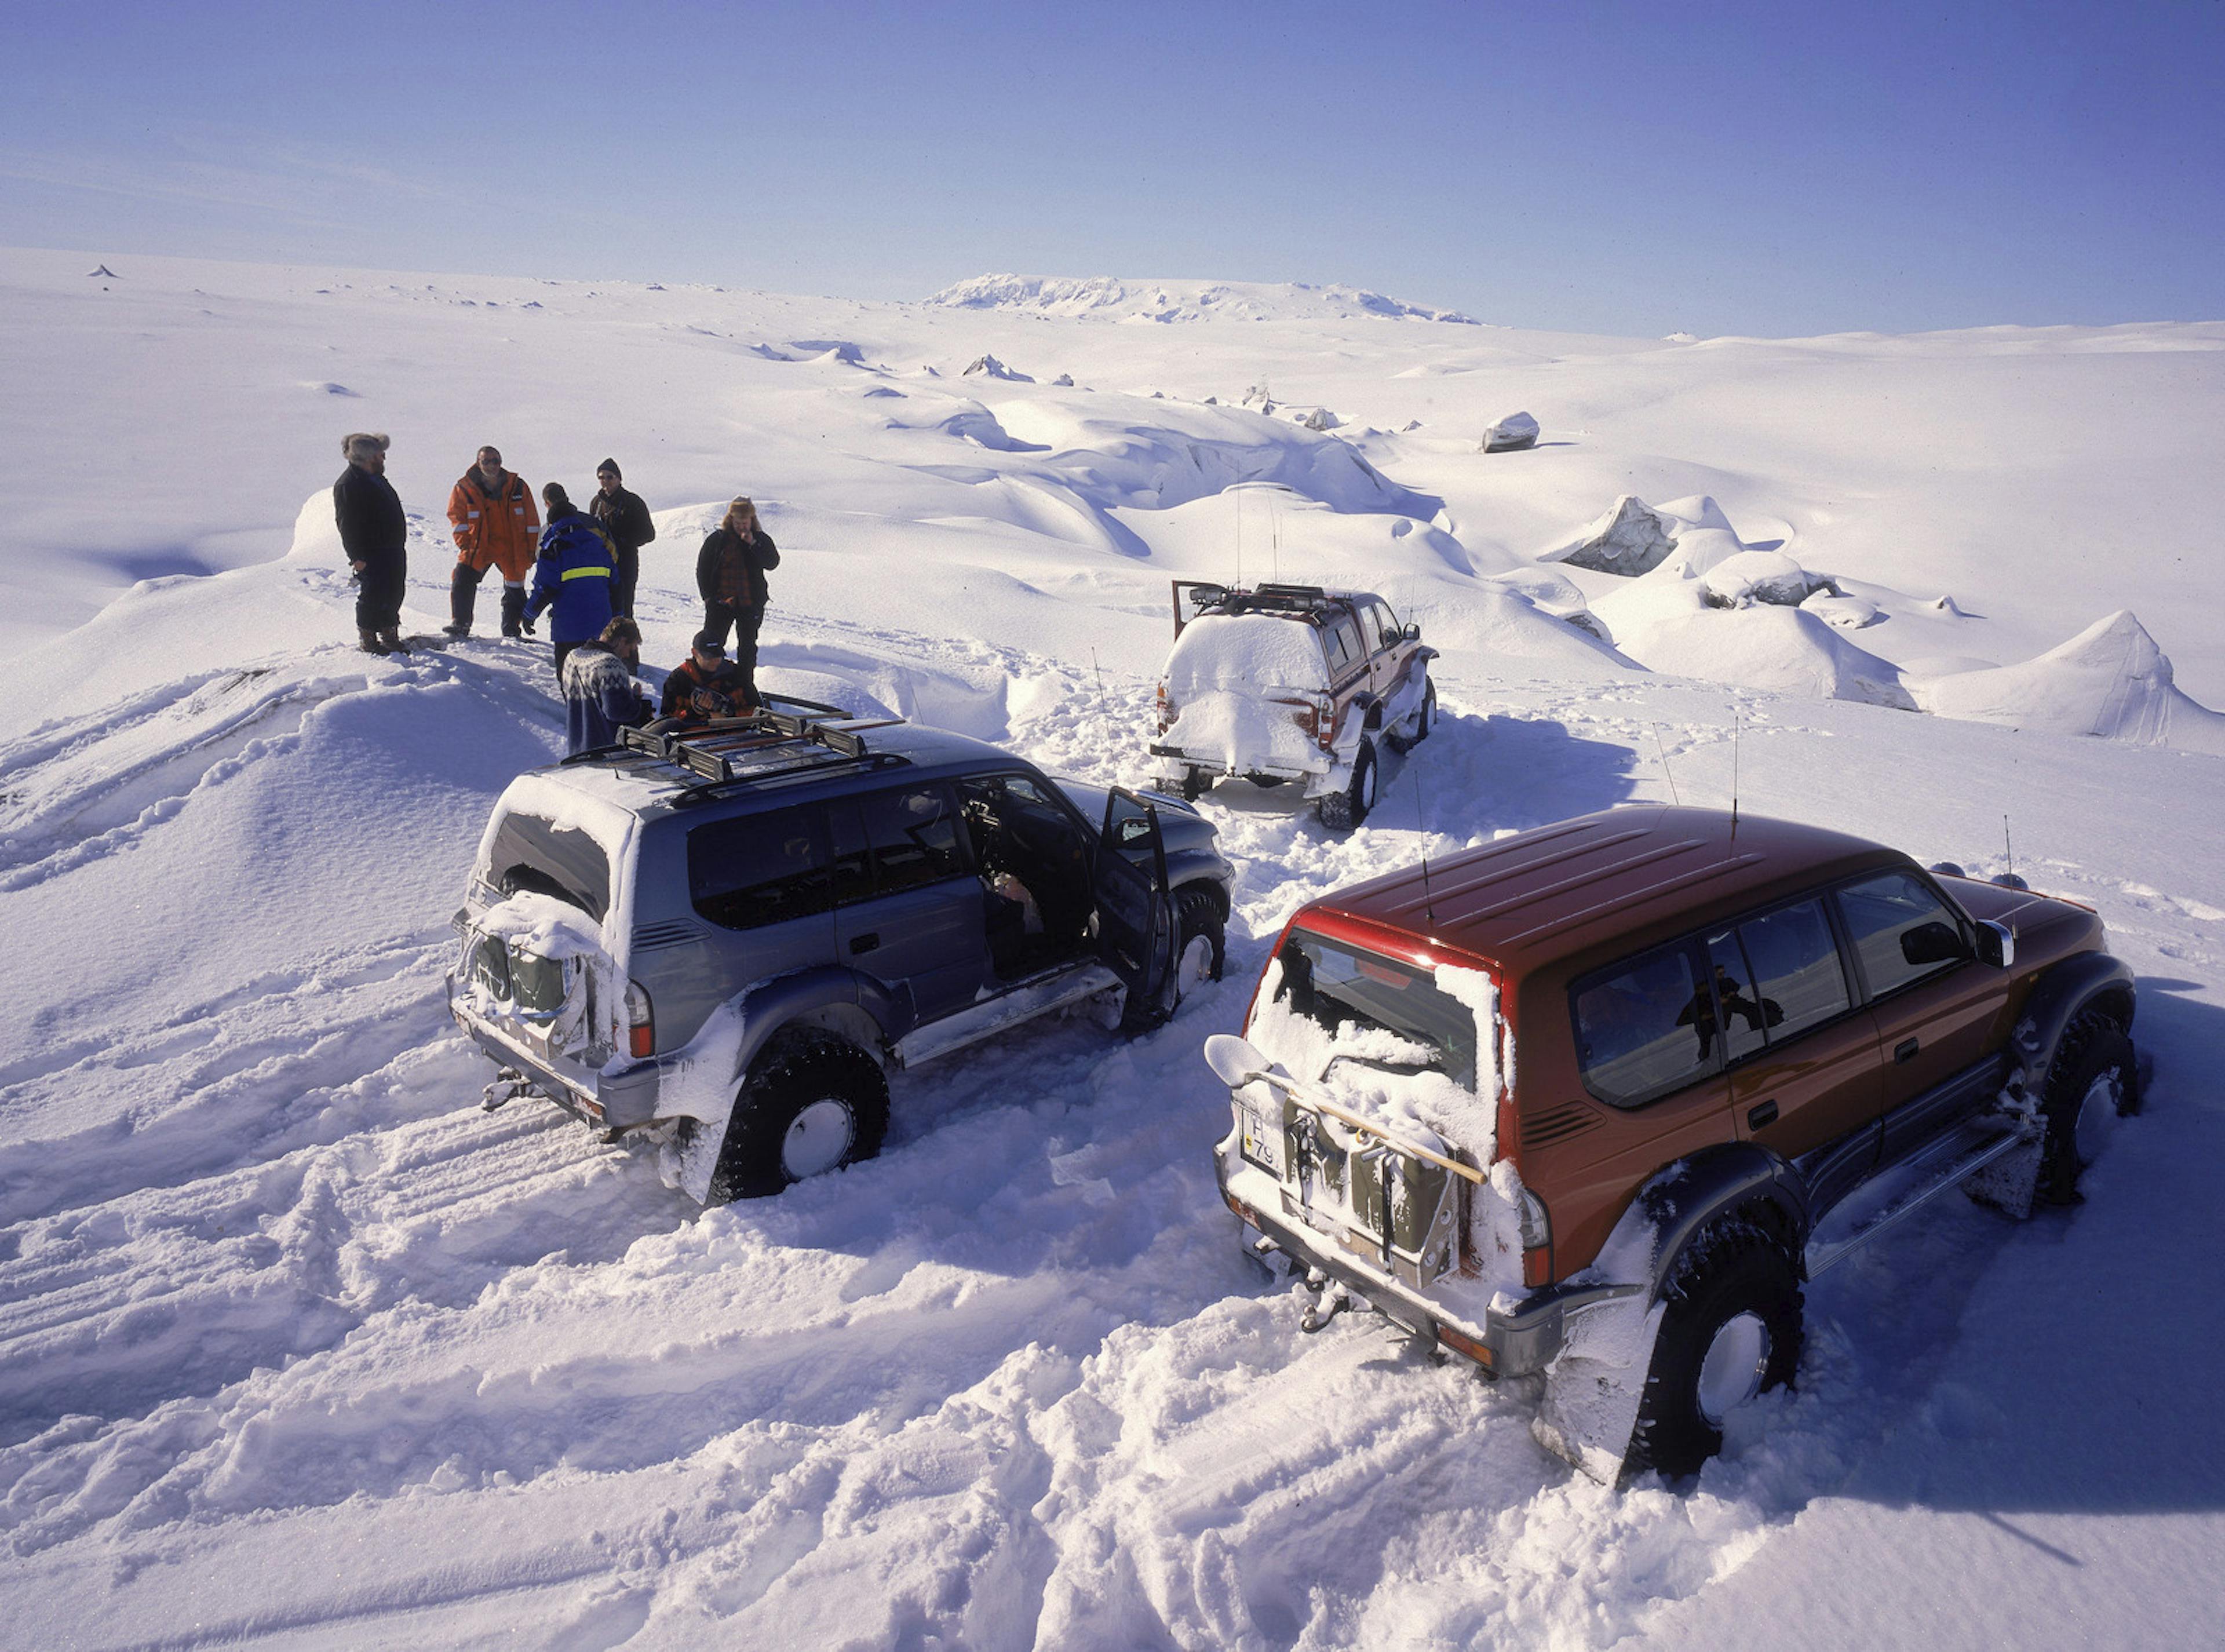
<point x="529" y="853"/>
<point x="1645" y="1027"/>
<point x="764" y="868"/>
<point x="1339" y="987"/>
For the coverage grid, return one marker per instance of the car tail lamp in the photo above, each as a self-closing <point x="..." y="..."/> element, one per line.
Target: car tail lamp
<point x="1244" y="1212"/>
<point x="1461" y="1342"/>
<point x="1536" y="1241"/>
<point x="1315" y="716"/>
<point x="641" y="1022"/>
<point x="1164" y="709"/>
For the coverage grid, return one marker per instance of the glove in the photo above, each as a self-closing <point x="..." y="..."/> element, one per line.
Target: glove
<point x="526" y="625"/>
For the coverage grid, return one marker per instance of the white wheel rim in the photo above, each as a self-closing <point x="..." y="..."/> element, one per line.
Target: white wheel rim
<point x="817" y="1139"/>
<point x="2097" y="1117"/>
<point x="1730" y="1373"/>
<point x="1194" y="967"/>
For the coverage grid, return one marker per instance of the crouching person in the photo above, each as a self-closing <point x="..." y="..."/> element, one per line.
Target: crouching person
<point x="706" y="687"/>
<point x="573" y="576"/>
<point x="601" y="695"/>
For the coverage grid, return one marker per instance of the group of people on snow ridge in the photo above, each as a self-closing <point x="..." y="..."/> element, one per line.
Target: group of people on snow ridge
<point x="584" y="564"/>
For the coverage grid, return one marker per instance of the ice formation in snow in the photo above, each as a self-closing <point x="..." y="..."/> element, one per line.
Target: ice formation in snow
<point x="1631" y="539"/>
<point x="1511" y="434"/>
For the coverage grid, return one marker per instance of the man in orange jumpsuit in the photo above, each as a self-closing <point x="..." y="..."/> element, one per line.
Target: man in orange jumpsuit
<point x="495" y="525"/>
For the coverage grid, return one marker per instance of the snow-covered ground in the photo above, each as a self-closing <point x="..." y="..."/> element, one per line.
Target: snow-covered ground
<point x="298" y="1346"/>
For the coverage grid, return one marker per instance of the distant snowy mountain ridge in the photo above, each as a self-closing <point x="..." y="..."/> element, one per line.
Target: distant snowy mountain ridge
<point x="1182" y="300"/>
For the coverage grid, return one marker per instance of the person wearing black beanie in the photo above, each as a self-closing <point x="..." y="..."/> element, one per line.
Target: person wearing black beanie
<point x="626" y="519"/>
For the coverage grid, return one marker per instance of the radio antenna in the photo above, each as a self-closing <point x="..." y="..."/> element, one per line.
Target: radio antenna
<point x="1428" y="904"/>
<point x="1239" y="581"/>
<point x="1735" y="773"/>
<point x="2008" y="847"/>
<point x="1665" y="771"/>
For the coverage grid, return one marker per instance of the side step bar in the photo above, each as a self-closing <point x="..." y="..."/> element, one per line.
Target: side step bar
<point x="1945" y="1163"/>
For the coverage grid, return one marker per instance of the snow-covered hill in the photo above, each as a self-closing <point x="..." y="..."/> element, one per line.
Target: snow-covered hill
<point x="1182" y="300"/>
<point x="298" y="1346"/>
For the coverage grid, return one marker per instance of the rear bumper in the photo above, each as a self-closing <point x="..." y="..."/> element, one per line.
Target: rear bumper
<point x="1520" y="1340"/>
<point x="1170" y="763"/>
<point x="617" y="1098"/>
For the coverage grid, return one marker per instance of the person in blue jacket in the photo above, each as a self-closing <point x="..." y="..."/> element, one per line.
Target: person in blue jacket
<point x="573" y="574"/>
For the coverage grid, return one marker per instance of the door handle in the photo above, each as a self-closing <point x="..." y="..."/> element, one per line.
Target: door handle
<point x="864" y="943"/>
<point x="1761" y="1113"/>
<point x="1906" y="1050"/>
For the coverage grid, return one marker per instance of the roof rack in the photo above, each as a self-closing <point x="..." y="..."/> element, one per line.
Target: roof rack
<point x="764" y="747"/>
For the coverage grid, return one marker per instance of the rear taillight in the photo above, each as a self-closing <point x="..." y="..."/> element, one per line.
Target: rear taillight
<point x="1164" y="709"/>
<point x="641" y="1022"/>
<point x="1536" y="1241"/>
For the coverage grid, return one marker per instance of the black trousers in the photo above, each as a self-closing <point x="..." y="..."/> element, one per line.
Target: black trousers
<point x="561" y="649"/>
<point x="378" y="592"/>
<point x="718" y="616"/>
<point x="621" y="582"/>
<point x="463" y="597"/>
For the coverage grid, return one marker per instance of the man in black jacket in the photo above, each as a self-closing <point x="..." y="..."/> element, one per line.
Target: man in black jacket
<point x="373" y="534"/>
<point x="626" y="519"/>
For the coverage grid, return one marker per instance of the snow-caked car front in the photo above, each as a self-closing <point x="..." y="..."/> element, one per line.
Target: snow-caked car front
<point x="1367" y="1095"/>
<point x="1248" y="694"/>
<point x="539" y="981"/>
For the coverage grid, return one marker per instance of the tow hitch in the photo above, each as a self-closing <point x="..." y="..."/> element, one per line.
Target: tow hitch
<point x="508" y="1085"/>
<point x="1330" y="1299"/>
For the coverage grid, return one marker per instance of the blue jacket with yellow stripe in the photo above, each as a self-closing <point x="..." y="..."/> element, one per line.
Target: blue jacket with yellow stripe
<point x="574" y="576"/>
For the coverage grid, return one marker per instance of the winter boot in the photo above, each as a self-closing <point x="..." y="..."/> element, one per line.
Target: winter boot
<point x="513" y="611"/>
<point x="369" y="640"/>
<point x="463" y="596"/>
<point x="392" y="637"/>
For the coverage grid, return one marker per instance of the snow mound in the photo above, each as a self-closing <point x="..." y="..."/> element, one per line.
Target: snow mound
<point x="101" y="272"/>
<point x="1511" y="434"/>
<point x="1745" y="578"/>
<point x="325" y="387"/>
<point x="1848" y="613"/>
<point x="990" y="367"/>
<point x="1667" y="621"/>
<point x="1182" y="300"/>
<point x="832" y="349"/>
<point x="2111" y="680"/>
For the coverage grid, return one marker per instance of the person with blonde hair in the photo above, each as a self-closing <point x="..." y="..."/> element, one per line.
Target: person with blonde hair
<point x="729" y="572"/>
<point x="374" y="533"/>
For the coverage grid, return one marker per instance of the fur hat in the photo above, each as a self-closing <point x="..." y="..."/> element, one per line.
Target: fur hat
<point x="364" y="443"/>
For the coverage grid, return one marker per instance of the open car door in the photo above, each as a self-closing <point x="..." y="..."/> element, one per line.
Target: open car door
<point x="1135" y="916"/>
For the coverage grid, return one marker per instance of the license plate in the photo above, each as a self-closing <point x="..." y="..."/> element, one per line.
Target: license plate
<point x="1259" y="1121"/>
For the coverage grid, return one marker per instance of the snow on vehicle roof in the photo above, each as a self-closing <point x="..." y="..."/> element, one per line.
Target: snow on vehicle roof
<point x="1219" y="652"/>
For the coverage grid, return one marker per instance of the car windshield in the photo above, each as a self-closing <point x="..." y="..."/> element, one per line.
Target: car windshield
<point x="1346" y="992"/>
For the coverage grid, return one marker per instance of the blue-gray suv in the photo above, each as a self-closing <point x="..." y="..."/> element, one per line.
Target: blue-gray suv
<point x="728" y="939"/>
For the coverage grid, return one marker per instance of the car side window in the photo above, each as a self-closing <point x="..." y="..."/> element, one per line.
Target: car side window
<point x="1371" y="628"/>
<point x="761" y="869"/>
<point x="1745" y="1014"/>
<point x="1798" y="980"/>
<point x="1645" y="1027"/>
<point x="1343" y="637"/>
<point x="913" y="838"/>
<point x="1388" y="623"/>
<point x="1901" y="931"/>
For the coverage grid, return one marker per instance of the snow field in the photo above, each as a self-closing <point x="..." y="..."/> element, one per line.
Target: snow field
<point x="297" y="1345"/>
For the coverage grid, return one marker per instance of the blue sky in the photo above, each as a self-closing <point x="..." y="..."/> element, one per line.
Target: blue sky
<point x="1775" y="169"/>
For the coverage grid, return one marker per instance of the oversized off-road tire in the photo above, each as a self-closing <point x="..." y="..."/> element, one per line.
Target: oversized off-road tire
<point x="1199" y="950"/>
<point x="811" y="1103"/>
<point x="1424" y="719"/>
<point x="1731" y="1330"/>
<point x="1340" y="811"/>
<point x="2090" y="1084"/>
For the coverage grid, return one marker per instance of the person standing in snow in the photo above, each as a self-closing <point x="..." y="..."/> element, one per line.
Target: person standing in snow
<point x="706" y="687"/>
<point x="729" y="572"/>
<point x="626" y="519"/>
<point x="573" y="575"/>
<point x="492" y="512"/>
<point x="600" y="696"/>
<point x="373" y="537"/>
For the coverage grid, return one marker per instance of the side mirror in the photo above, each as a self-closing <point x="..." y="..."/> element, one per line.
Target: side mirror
<point x="1413" y="632"/>
<point x="1996" y="944"/>
<point x="1235" y="1061"/>
<point x="1933" y="943"/>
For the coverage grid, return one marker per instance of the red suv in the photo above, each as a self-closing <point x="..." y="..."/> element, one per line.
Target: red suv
<point x="1595" y="1100"/>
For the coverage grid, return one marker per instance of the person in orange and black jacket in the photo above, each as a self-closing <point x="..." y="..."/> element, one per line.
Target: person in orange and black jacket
<point x="626" y="520"/>
<point x="729" y="572"/>
<point x="706" y="687"/>
<point x="496" y="525"/>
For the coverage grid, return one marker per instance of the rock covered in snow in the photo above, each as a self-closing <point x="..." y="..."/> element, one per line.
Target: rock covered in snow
<point x="1748" y="577"/>
<point x="2110" y="680"/>
<point x="1410" y="425"/>
<point x="1848" y="613"/>
<point x="101" y="272"/>
<point x="1064" y="382"/>
<point x="1632" y="538"/>
<point x="1511" y="434"/>
<point x="1322" y="419"/>
<point x="990" y="367"/>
